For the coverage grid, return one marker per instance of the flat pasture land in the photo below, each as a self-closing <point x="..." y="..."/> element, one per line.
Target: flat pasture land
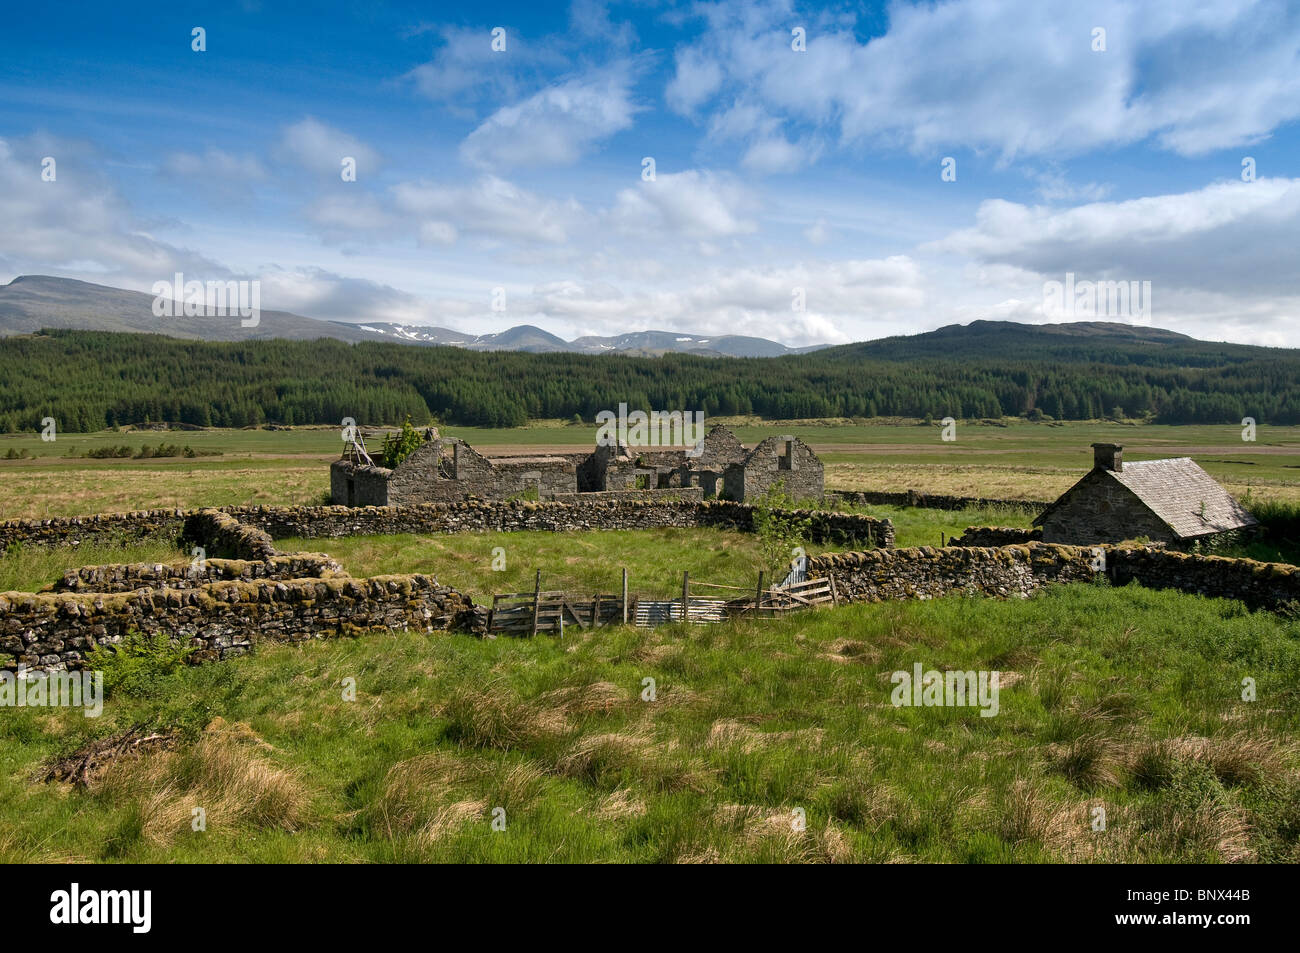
<point x="1012" y="459"/>
<point x="578" y="563"/>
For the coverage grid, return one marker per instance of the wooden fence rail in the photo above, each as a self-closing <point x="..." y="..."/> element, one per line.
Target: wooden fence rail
<point x="527" y="613"/>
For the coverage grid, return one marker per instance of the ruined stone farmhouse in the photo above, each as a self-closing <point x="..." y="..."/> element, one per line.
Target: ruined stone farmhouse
<point x="446" y="469"/>
<point x="1172" y="501"/>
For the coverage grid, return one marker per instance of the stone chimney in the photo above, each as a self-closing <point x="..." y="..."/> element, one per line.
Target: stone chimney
<point x="1108" y="456"/>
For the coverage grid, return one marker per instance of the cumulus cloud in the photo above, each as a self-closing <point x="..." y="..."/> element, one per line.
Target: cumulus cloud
<point x="214" y="165"/>
<point x="350" y="215"/>
<point x="692" y="204"/>
<point x="489" y="207"/>
<point x="78" y="225"/>
<point x="465" y="71"/>
<point x="319" y="293"/>
<point x="556" y="125"/>
<point x="842" y="301"/>
<point x="1228" y="237"/>
<point x="697" y="77"/>
<point x="1017" y="77"/>
<point x="321" y="148"/>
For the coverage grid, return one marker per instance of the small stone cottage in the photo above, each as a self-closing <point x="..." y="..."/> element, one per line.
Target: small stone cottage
<point x="1172" y="501"/>
<point x="449" y="470"/>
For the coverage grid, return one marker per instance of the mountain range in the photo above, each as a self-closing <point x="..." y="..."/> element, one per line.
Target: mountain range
<point x="32" y="302"/>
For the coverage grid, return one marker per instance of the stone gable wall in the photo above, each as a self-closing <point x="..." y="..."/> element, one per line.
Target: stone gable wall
<point x="1099" y="509"/>
<point x="762" y="469"/>
<point x="352" y="485"/>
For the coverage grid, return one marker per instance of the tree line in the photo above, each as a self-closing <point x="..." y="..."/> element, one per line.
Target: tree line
<point x="90" y="380"/>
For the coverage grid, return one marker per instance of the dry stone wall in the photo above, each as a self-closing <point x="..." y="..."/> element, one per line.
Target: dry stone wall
<point x="127" y="577"/>
<point x="927" y="572"/>
<point x="243" y="590"/>
<point x="54" y="631"/>
<point x="996" y="536"/>
<point x="249" y="592"/>
<point x="105" y="528"/>
<point x="312" y="522"/>
<point x="1018" y="570"/>
<point x="221" y="534"/>
<point x="933" y="501"/>
<point x="1271" y="586"/>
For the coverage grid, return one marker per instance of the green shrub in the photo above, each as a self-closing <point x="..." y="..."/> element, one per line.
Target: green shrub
<point x="398" y="446"/>
<point x="138" y="664"/>
<point x="779" y="531"/>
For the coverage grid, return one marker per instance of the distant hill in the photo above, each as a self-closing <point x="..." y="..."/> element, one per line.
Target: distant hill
<point x="650" y="343"/>
<point x="1078" y="342"/>
<point x="31" y="302"/>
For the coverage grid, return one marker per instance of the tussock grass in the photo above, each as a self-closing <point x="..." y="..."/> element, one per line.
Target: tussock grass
<point x="1129" y="701"/>
<point x="496" y="718"/>
<point x="228" y="773"/>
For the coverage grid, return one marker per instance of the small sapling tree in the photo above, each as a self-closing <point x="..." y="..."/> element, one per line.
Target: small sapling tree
<point x="398" y="446"/>
<point x="778" y="529"/>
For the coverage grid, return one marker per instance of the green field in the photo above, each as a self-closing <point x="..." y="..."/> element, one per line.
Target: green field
<point x="1123" y="699"/>
<point x="29" y="568"/>
<point x="1009" y="459"/>
<point x="575" y="562"/>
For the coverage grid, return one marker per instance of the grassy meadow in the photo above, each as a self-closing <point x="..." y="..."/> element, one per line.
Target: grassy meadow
<point x="1122" y="699"/>
<point x="31" y="568"/>
<point x="575" y="562"/>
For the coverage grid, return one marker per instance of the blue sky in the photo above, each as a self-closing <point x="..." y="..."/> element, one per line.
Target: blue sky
<point x="780" y="174"/>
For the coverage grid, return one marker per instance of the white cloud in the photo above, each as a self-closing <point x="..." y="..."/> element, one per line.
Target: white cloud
<point x="692" y="204"/>
<point x="490" y="208"/>
<point x="1229" y="237"/>
<point x="465" y="70"/>
<point x="843" y="300"/>
<point x="817" y="233"/>
<point x="554" y="126"/>
<point x="774" y="154"/>
<point x="698" y="76"/>
<point x="348" y="215"/>
<point x="318" y="293"/>
<point x="78" y="225"/>
<point x="321" y="148"/>
<point x="214" y="165"/>
<point x="1018" y="77"/>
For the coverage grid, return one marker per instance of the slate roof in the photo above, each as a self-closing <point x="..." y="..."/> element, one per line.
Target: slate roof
<point x="1175" y="490"/>
<point x="1182" y="495"/>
